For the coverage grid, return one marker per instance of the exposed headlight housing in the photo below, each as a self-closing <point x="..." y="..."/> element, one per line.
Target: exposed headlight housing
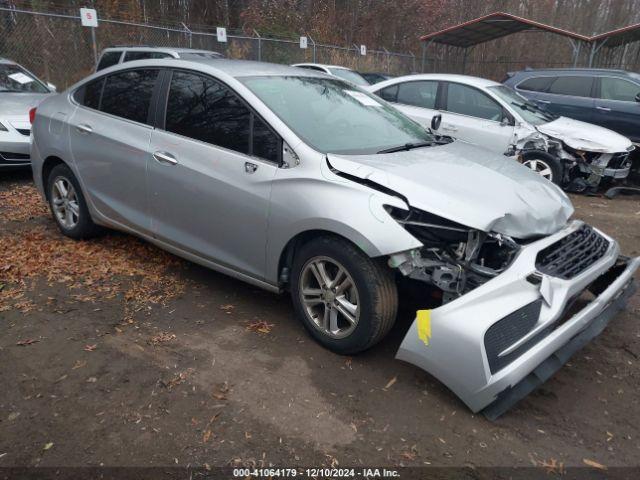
<point x="454" y="258"/>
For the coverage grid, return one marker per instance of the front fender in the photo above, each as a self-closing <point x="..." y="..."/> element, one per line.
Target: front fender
<point x="301" y="203"/>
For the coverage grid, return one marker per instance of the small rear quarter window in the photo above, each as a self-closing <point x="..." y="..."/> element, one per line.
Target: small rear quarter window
<point x="109" y="59"/>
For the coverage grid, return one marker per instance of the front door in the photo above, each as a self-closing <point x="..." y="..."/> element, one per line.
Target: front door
<point x="474" y="117"/>
<point x="618" y="107"/>
<point x="211" y="175"/>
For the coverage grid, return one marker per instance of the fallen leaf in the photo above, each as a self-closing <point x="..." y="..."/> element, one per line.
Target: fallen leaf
<point x="79" y="364"/>
<point x="28" y="341"/>
<point x="260" y="327"/>
<point x="90" y="348"/>
<point x="391" y="382"/>
<point x="47" y="446"/>
<point x="206" y="436"/>
<point x="594" y="464"/>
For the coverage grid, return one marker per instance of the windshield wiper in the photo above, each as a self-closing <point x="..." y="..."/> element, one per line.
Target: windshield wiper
<point x="407" y="146"/>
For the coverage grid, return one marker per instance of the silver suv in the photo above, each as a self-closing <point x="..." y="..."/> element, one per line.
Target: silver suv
<point x="119" y="54"/>
<point x="295" y="181"/>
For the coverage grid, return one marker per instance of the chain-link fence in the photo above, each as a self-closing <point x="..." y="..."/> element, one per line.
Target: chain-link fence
<point x="60" y="50"/>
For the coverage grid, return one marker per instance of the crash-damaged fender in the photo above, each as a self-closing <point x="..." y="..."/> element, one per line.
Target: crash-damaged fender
<point x="449" y="341"/>
<point x="585" y="136"/>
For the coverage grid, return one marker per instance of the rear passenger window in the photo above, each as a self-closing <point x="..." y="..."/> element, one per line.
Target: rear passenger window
<point x="131" y="56"/>
<point x="109" y="59"/>
<point x="420" y="94"/>
<point x="89" y="95"/>
<point x="536" y="84"/>
<point x="390" y="94"/>
<point x="203" y="109"/>
<point x="128" y="94"/>
<point x="575" y="86"/>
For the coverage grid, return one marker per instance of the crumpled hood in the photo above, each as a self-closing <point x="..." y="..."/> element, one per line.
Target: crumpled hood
<point x="469" y="185"/>
<point x="19" y="104"/>
<point x="585" y="136"/>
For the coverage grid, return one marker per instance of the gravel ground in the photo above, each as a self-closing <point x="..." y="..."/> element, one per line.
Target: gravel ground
<point x="115" y="353"/>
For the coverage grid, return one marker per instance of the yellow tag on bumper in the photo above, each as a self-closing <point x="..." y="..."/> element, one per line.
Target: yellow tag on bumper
<point x="423" y="319"/>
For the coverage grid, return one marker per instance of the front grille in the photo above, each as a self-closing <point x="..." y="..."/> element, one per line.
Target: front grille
<point x="507" y="331"/>
<point x="24" y="131"/>
<point x="619" y="160"/>
<point x="573" y="254"/>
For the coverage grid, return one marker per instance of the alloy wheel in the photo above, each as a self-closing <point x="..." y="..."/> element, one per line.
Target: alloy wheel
<point x="541" y="167"/>
<point x="329" y="296"/>
<point x="64" y="201"/>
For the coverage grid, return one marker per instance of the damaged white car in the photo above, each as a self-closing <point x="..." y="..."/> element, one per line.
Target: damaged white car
<point x="573" y="154"/>
<point x="295" y="181"/>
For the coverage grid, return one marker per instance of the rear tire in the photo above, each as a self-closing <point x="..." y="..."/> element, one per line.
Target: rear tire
<point x="331" y="275"/>
<point x="544" y="164"/>
<point x="68" y="205"/>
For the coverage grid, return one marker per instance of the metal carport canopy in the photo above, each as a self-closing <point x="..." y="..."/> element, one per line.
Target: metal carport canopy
<point x="621" y="36"/>
<point x="491" y="27"/>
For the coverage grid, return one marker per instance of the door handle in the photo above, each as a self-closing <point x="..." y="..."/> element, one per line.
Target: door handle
<point x="604" y="109"/>
<point x="450" y="128"/>
<point x="166" y="158"/>
<point x="250" y="167"/>
<point x="546" y="102"/>
<point x="83" y="128"/>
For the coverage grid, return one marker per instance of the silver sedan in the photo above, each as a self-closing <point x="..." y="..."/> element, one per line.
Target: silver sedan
<point x="296" y="181"/>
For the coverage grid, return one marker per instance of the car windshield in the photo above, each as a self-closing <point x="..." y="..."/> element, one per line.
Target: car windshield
<point x="349" y="75"/>
<point x="15" y="79"/>
<point x="529" y="111"/>
<point x="334" y="117"/>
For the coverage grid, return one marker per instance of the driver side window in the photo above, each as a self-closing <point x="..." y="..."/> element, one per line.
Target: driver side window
<point x="470" y="101"/>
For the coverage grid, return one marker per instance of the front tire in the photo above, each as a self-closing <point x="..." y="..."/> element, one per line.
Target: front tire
<point x="346" y="300"/>
<point x="68" y="205"/>
<point x="545" y="165"/>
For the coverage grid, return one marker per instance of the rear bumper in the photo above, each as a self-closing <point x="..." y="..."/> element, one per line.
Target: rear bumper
<point x="455" y="351"/>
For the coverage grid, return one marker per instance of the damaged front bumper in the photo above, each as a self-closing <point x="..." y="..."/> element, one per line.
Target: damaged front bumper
<point x="495" y="344"/>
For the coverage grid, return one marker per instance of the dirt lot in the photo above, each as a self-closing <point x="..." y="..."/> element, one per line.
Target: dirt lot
<point x="115" y="353"/>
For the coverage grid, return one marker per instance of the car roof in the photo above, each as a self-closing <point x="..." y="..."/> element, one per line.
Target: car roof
<point x="320" y="65"/>
<point x="466" y="79"/>
<point x="233" y="68"/>
<point x="6" y="61"/>
<point x="149" y="48"/>
<point x="531" y="71"/>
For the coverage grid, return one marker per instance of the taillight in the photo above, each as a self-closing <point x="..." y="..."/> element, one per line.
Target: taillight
<point x="32" y="115"/>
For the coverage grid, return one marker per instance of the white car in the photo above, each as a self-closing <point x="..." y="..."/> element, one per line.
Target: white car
<point x="337" y="71"/>
<point x="20" y="91"/>
<point x="574" y="154"/>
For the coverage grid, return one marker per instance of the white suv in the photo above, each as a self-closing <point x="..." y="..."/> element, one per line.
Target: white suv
<point x="114" y="55"/>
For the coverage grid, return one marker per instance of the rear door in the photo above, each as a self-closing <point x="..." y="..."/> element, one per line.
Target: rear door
<point x="110" y="133"/>
<point x="417" y="99"/>
<point x="210" y="180"/>
<point x="471" y="115"/>
<point x="617" y="107"/>
<point x="569" y="96"/>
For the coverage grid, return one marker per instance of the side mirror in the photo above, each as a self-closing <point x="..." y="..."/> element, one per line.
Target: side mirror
<point x="638" y="97"/>
<point x="52" y="87"/>
<point x="435" y="122"/>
